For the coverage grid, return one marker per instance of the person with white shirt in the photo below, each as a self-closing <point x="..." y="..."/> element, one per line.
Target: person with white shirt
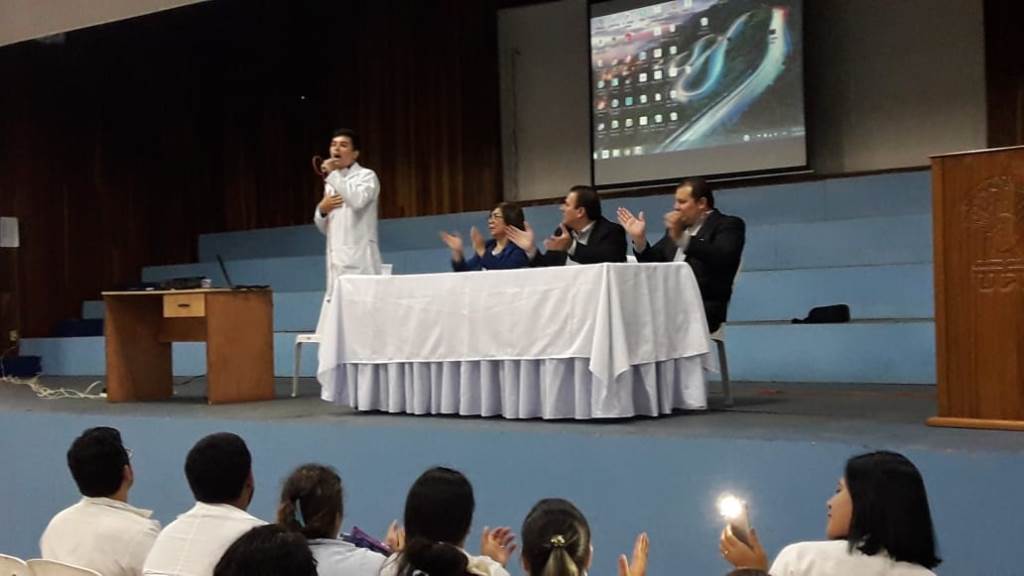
<point x="438" y="516"/>
<point x="102" y="531"/>
<point x="219" y="472"/>
<point x="347" y="214"/>
<point x="583" y="237"/>
<point x="879" y="524"/>
<point x="313" y="505"/>
<point x="698" y="234"/>
<point x="556" y="542"/>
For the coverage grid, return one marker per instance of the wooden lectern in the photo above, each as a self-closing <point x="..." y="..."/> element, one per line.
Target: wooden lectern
<point x="237" y="326"/>
<point x="978" y="220"/>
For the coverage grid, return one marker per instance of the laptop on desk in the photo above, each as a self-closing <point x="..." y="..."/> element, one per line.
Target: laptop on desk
<point x="232" y="286"/>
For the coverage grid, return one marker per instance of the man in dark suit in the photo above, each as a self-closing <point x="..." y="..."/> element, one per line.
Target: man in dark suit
<point x="695" y="233"/>
<point x="584" y="236"/>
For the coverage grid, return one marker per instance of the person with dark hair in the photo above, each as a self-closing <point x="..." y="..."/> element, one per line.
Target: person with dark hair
<point x="698" y="234"/>
<point x="583" y="237"/>
<point x="102" y="531"/>
<point x="347" y="214"/>
<point x="312" y="503"/>
<point x="494" y="254"/>
<point x="269" y="550"/>
<point x="219" y="472"/>
<point x="879" y="524"/>
<point x="556" y="542"/>
<point x="438" y="515"/>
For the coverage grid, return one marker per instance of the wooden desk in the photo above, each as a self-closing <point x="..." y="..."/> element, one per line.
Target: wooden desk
<point x="237" y="326"/>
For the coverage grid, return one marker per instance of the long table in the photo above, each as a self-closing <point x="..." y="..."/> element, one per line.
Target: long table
<point x="596" y="341"/>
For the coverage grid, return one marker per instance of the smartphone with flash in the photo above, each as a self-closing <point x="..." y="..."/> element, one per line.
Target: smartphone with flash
<point x="734" y="512"/>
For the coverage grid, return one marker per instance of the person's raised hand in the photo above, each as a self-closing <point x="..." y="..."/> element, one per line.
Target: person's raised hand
<point x="636" y="226"/>
<point x="479" y="244"/>
<point x="329" y="204"/>
<point x="523" y="238"/>
<point x="674" y="224"/>
<point x="739" y="554"/>
<point x="637" y="566"/>
<point x="559" y="243"/>
<point x="330" y="165"/>
<point x="395" y="538"/>
<point x="498" y="544"/>
<point x="452" y="240"/>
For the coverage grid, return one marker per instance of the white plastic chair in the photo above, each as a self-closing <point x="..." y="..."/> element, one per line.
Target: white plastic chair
<point x="312" y="338"/>
<point x="11" y="566"/>
<point x="42" y="567"/>
<point x="718" y="336"/>
<point x="300" y="339"/>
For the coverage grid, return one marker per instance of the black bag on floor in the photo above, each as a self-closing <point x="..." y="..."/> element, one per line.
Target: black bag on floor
<point x="833" y="314"/>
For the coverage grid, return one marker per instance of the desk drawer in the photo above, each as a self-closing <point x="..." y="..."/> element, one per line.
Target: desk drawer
<point x="184" y="305"/>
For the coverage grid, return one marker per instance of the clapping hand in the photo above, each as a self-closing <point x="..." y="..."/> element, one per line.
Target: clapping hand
<point x="739" y="554"/>
<point x="479" y="245"/>
<point x="522" y="238"/>
<point x="636" y="226"/>
<point x="638" y="565"/>
<point x="559" y="243"/>
<point x="674" y="224"/>
<point x="395" y="538"/>
<point x="498" y="544"/>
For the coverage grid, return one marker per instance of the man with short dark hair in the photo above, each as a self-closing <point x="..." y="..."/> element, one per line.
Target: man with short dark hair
<point x="219" y="472"/>
<point x="695" y="233"/>
<point x="102" y="531"/>
<point x="583" y="237"/>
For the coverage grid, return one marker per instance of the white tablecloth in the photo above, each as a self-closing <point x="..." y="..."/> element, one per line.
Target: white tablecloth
<point x="606" y="340"/>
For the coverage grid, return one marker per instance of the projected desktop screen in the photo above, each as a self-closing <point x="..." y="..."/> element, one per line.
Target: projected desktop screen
<point x="695" y="87"/>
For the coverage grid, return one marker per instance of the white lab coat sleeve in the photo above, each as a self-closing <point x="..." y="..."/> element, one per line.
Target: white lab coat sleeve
<point x="359" y="190"/>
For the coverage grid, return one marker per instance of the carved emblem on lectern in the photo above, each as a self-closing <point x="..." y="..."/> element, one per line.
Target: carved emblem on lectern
<point x="995" y="213"/>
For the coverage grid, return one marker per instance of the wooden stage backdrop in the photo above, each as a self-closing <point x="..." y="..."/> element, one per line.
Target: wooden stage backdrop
<point x="119" y="144"/>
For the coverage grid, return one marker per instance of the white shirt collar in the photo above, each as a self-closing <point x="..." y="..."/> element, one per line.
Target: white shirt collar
<point x="117" y="504"/>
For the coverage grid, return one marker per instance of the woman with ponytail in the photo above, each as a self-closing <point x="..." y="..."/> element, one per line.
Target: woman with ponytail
<point x="556" y="542"/>
<point x="312" y="504"/>
<point x="438" y="516"/>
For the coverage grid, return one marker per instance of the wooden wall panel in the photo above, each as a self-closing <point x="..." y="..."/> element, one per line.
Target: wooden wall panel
<point x="119" y="146"/>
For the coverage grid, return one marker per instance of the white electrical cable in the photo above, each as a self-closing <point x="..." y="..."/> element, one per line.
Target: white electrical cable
<point x="56" y="394"/>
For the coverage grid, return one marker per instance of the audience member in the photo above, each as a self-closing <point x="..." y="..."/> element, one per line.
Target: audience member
<point x="102" y="531"/>
<point x="438" y="515"/>
<point x="269" y="550"/>
<point x="879" y="524"/>
<point x="494" y="254"/>
<point x="695" y="232"/>
<point x="312" y="503"/>
<point x="583" y="237"/>
<point x="219" y="472"/>
<point x="556" y="542"/>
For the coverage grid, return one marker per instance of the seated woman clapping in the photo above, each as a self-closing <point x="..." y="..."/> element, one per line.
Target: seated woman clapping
<point x="879" y="524"/>
<point x="498" y="253"/>
<point x="312" y="503"/>
<point x="438" y="516"/>
<point x="556" y="542"/>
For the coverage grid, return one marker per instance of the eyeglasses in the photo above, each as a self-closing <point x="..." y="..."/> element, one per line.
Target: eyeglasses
<point x="128" y="451"/>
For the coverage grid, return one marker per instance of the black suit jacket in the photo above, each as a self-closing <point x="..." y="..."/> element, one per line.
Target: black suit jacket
<point x="714" y="255"/>
<point x="607" y="243"/>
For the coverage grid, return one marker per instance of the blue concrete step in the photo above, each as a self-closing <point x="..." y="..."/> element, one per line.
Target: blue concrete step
<point x="888" y="240"/>
<point x="904" y="193"/>
<point x="876" y="352"/>
<point x="87" y="356"/>
<point x="902" y="291"/>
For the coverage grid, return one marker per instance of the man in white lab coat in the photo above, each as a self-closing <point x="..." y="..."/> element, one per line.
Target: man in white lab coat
<point x="347" y="215"/>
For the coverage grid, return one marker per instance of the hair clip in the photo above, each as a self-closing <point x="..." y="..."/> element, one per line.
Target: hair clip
<point x="557" y="541"/>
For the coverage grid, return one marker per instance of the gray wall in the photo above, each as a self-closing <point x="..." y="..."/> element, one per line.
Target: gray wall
<point x="27" y="19"/>
<point x="888" y="83"/>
